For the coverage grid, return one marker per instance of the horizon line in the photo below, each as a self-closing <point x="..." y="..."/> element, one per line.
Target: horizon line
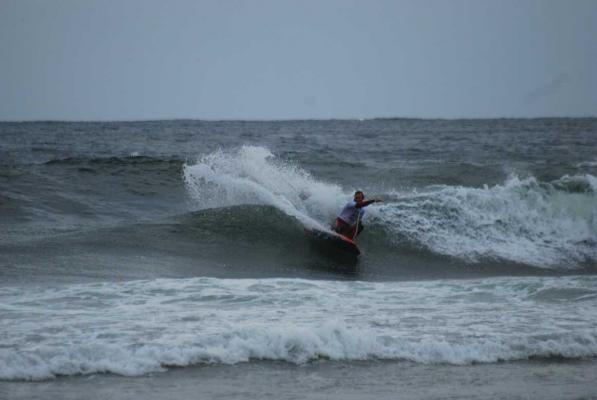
<point x="295" y="119"/>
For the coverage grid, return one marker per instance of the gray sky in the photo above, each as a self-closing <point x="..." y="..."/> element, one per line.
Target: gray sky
<point x="143" y="59"/>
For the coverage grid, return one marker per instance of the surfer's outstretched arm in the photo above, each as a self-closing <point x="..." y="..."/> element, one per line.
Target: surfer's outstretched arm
<point x="365" y="203"/>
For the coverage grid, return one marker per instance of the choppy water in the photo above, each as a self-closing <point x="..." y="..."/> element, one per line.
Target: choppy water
<point x="131" y="247"/>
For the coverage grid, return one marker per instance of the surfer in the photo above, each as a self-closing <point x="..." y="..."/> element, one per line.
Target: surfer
<point x="349" y="222"/>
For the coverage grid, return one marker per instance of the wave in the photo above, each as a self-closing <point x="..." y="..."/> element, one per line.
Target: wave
<point x="252" y="175"/>
<point x="585" y="164"/>
<point x="82" y="194"/>
<point x="542" y="224"/>
<point x="139" y="327"/>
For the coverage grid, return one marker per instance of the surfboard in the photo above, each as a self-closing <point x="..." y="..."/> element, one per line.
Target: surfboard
<point x="337" y="241"/>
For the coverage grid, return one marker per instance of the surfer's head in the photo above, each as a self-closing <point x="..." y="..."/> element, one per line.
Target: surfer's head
<point x="359" y="196"/>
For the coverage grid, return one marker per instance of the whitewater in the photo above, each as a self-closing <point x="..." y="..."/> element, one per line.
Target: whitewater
<point x="139" y="327"/>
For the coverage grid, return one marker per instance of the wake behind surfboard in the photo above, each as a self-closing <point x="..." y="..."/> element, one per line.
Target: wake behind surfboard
<point x="334" y="240"/>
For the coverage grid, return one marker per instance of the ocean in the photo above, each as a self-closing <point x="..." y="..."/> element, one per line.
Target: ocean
<point x="148" y="259"/>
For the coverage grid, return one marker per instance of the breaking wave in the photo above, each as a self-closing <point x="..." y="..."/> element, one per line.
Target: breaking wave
<point x="523" y="220"/>
<point x="139" y="327"/>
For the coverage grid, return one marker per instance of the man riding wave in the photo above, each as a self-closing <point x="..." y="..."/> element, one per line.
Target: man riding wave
<point x="349" y="222"/>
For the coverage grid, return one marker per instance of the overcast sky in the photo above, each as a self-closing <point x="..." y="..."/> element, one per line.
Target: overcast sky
<point x="141" y="59"/>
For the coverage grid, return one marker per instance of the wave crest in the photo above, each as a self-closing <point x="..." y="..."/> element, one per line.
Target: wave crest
<point x="523" y="220"/>
<point x="253" y="175"/>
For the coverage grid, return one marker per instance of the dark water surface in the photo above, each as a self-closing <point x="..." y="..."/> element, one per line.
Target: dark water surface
<point x="464" y="197"/>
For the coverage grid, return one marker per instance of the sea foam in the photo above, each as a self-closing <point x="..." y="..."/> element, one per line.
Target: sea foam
<point x="545" y="224"/>
<point x="139" y="327"/>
